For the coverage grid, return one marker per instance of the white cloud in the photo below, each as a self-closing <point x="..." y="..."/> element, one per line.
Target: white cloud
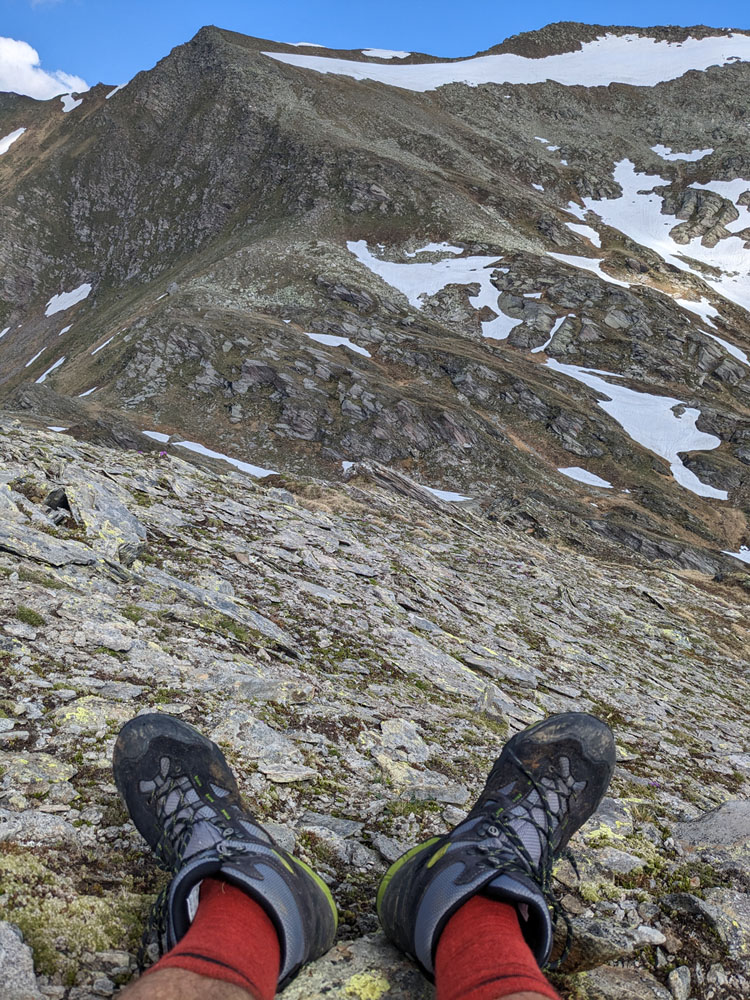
<point x="20" y="71"/>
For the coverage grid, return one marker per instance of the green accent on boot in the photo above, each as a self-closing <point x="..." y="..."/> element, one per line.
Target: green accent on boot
<point x="322" y="886"/>
<point x="399" y="864"/>
<point x="438" y="854"/>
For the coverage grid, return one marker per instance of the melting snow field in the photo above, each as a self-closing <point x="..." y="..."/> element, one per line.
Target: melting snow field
<point x="582" y="476"/>
<point x="651" y="421"/>
<point x="7" y="141"/>
<point x="43" y="377"/>
<point x="665" y="152"/>
<point x="642" y="62"/>
<point x="421" y="278"/>
<point x="330" y="341"/>
<point x="637" y="214"/>
<point x="58" y="303"/>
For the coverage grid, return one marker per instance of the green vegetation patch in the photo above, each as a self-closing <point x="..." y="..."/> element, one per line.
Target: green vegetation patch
<point x="29" y="617"/>
<point x="60" y="924"/>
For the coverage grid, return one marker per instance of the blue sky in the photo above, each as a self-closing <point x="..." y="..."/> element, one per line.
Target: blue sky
<point x="111" y="40"/>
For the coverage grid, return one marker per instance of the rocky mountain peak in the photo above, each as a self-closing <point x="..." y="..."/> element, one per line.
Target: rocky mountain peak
<point x="362" y="408"/>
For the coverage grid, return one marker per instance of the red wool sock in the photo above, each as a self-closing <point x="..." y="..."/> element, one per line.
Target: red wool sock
<point x="232" y="939"/>
<point x="482" y="955"/>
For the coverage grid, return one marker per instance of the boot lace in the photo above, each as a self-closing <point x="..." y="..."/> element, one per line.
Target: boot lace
<point x="508" y="851"/>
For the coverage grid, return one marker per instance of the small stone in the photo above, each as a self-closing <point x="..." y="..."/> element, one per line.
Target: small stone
<point x="390" y="848"/>
<point x="103" y="987"/>
<point x="286" y="774"/>
<point x="679" y="982"/>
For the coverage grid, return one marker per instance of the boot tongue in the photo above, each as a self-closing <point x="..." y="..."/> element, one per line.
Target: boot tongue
<point x="203" y="836"/>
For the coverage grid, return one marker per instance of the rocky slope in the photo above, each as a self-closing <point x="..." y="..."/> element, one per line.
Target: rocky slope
<point x="466" y="253"/>
<point x="360" y="649"/>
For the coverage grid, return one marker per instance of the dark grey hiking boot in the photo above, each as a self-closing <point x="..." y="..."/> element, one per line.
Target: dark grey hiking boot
<point x="184" y="800"/>
<point x="544" y="785"/>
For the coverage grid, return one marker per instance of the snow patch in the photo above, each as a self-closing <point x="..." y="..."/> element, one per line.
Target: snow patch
<point x="69" y="102"/>
<point x="65" y="300"/>
<point x="593" y="264"/>
<point x="665" y="152"/>
<point x="558" y="323"/>
<point x="113" y="92"/>
<point x="632" y="59"/>
<point x="64" y="330"/>
<point x="87" y="392"/>
<point x="58" y="430"/>
<point x="43" y="377"/>
<point x="199" y="449"/>
<point x="157" y="436"/>
<point x="3" y="332"/>
<point x="743" y="554"/>
<point x="445" y="494"/>
<point x="587" y="232"/>
<point x="330" y="341"/>
<point x="582" y="476"/>
<point x="346" y="466"/>
<point x="7" y="141"/>
<point x="638" y="214"/>
<point x="102" y="346"/>
<point x="652" y="421"/>
<point x="385" y="54"/>
<point x="38" y="353"/>
<point x="704" y="309"/>
<point x="422" y="278"/>
<point x="538" y="187"/>
<point x="730" y="348"/>
<point x="435" y="248"/>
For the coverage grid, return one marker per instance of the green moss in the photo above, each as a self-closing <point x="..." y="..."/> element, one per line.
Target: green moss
<point x="60" y="924"/>
<point x="43" y="579"/>
<point x="29" y="617"/>
<point x="594" y="892"/>
<point x="133" y="612"/>
<point x="111" y="652"/>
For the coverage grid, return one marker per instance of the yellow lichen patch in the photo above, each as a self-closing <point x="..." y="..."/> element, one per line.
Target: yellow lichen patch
<point x="367" y="986"/>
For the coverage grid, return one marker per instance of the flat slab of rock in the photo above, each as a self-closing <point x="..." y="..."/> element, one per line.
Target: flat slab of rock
<point x="726" y="910"/>
<point x="366" y="969"/>
<point x="219" y="602"/>
<point x="23" y="541"/>
<point x="611" y="983"/>
<point x="727" y="826"/>
<point x="33" y="827"/>
<point x="421" y="786"/>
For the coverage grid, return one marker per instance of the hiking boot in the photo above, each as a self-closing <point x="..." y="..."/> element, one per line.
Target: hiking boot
<point x="544" y="785"/>
<point x="184" y="800"/>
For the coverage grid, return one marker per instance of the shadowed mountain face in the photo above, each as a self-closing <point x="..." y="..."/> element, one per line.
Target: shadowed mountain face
<point x="521" y="277"/>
